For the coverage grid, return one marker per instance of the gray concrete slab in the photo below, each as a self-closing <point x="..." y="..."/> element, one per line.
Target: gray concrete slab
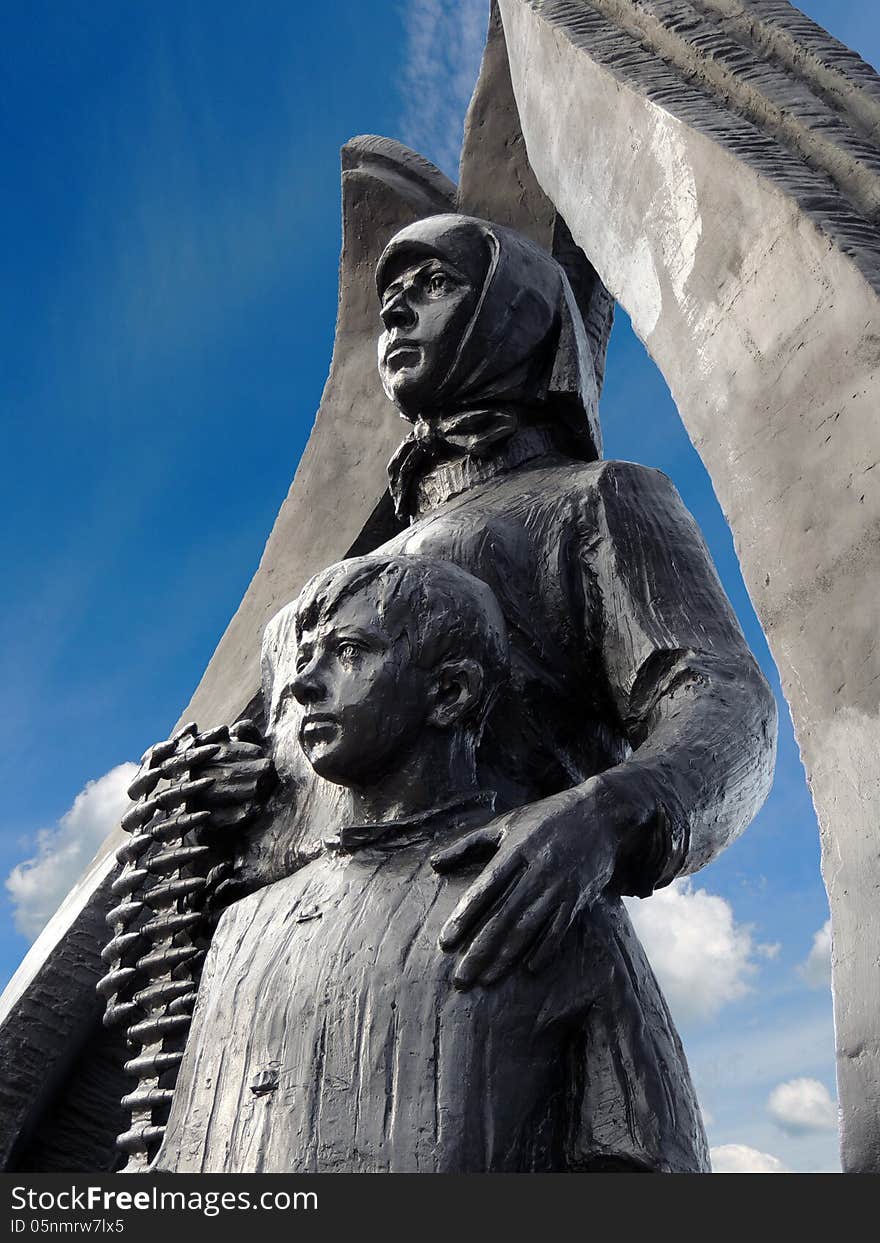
<point x="747" y="255"/>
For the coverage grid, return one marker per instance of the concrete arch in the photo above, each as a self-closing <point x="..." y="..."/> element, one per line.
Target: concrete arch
<point x="717" y="161"/>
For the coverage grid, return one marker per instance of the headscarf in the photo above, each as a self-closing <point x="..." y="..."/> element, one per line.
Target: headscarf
<point x="523" y="358"/>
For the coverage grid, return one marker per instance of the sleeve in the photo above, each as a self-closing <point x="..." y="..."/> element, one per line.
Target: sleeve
<point x="695" y="708"/>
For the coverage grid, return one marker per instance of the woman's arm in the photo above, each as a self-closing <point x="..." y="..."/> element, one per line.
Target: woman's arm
<point x="695" y="707"/>
<point x="699" y="717"/>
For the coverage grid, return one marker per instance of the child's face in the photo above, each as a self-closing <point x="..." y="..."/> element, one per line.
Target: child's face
<point x="362" y="700"/>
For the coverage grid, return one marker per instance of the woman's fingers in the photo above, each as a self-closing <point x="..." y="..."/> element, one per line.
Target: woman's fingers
<point x="548" y="945"/>
<point x="474" y="847"/>
<point x="505" y="937"/>
<point x="491" y="886"/>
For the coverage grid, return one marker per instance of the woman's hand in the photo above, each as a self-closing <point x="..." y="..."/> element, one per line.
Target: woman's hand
<point x="549" y="860"/>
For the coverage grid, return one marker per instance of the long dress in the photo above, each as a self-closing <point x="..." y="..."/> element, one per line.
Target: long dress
<point x="627" y="660"/>
<point x="327" y="1034"/>
<point x="329" y="1037"/>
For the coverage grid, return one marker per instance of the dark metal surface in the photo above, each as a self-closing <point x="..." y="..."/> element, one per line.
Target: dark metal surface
<point x="453" y="983"/>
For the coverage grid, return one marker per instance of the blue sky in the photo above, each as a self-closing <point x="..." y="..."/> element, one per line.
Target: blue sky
<point x="172" y="224"/>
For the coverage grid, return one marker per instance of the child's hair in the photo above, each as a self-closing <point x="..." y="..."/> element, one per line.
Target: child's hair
<point x="446" y="612"/>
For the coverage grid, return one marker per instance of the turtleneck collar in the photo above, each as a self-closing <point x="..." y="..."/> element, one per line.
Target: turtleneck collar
<point x="446" y="455"/>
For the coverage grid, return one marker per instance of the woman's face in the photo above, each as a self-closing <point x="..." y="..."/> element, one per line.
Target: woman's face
<point x="425" y="310"/>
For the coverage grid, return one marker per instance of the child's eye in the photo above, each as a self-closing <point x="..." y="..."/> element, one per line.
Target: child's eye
<point x="349" y="651"/>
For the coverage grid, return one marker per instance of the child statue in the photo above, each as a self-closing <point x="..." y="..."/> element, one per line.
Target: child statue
<point x="333" y="1032"/>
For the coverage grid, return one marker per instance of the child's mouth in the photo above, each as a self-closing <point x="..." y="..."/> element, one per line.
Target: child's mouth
<point x="317" y="729"/>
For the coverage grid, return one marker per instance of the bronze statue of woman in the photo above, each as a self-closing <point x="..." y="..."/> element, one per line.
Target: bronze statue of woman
<point x="635" y="736"/>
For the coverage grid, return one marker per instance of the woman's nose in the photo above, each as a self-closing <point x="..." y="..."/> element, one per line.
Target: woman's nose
<point x="397" y="313"/>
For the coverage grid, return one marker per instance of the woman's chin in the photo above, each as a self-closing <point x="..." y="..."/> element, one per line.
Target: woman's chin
<point x="409" y="391"/>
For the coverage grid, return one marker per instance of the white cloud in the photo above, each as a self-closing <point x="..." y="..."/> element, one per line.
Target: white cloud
<point x="444" y="44"/>
<point x="769" y="952"/>
<point x="802" y="1106"/>
<point x="740" y="1159"/>
<point x="38" y="885"/>
<point x="816" y="969"/>
<point x="703" y="958"/>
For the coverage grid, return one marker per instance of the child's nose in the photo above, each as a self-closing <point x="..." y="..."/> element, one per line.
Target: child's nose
<point x="306" y="686"/>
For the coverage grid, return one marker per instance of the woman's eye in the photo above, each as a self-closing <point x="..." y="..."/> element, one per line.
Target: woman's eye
<point x="438" y="284"/>
<point x="348" y="651"/>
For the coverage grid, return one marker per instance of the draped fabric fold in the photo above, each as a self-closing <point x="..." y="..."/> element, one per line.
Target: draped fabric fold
<point x="470" y="432"/>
